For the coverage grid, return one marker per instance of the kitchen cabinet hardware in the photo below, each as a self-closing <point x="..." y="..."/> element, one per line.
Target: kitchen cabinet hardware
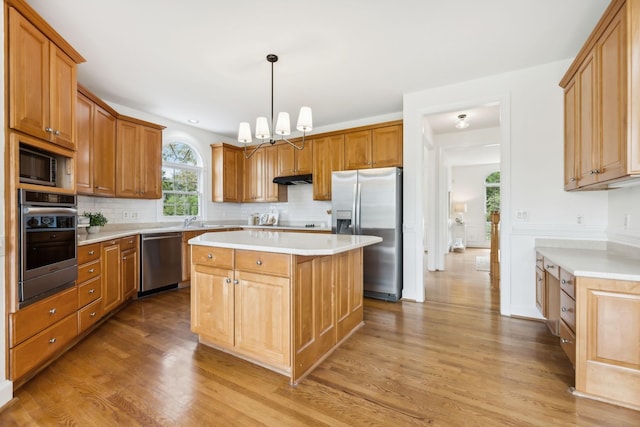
<point x="236" y="281"/>
<point x="52" y="311"/>
<point x="565" y="341"/>
<point x="210" y="256"/>
<point x="258" y="262"/>
<point x="227" y="280"/>
<point x="91" y="291"/>
<point x="564" y="309"/>
<point x="91" y="252"/>
<point x="93" y="314"/>
<point x="91" y="270"/>
<point x="53" y="340"/>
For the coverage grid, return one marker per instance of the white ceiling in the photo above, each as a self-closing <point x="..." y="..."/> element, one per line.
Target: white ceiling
<point x="348" y="60"/>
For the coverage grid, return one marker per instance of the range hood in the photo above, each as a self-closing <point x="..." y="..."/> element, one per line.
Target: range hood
<point x="293" y="180"/>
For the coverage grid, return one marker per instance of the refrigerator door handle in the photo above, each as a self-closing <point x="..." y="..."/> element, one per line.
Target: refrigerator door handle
<point x="354" y="210"/>
<point x="358" y="204"/>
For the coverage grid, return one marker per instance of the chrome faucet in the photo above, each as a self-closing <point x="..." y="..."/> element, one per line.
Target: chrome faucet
<point x="189" y="220"/>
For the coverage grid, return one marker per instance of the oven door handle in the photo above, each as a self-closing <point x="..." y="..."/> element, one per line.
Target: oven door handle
<point x="48" y="211"/>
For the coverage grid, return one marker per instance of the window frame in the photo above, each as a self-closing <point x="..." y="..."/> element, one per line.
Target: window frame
<point x="198" y="168"/>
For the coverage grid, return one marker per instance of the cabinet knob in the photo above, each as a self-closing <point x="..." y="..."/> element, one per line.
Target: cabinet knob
<point x="52" y="311"/>
<point x="258" y="262"/>
<point x="56" y="132"/>
<point x="227" y="280"/>
<point x="538" y="259"/>
<point x="52" y="341"/>
<point x="91" y="270"/>
<point x="48" y="130"/>
<point x="539" y="279"/>
<point x="564" y="309"/>
<point x="565" y="341"/>
<point x="564" y="282"/>
<point x="572" y="179"/>
<point x="594" y="171"/>
<point x="235" y="282"/>
<point x="93" y="314"/>
<point x="210" y="256"/>
<point x="92" y="252"/>
<point x="91" y="291"/>
<point x="549" y="266"/>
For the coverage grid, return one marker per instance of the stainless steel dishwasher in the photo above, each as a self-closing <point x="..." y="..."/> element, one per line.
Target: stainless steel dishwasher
<point x="161" y="262"/>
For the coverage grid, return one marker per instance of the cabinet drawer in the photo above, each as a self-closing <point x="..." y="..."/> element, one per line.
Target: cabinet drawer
<point x="89" y="315"/>
<point x="553" y="269"/>
<point x="263" y="263"/>
<point x="88" y="271"/>
<point x="88" y="253"/>
<point x="89" y="291"/>
<point x="214" y="257"/>
<point x="539" y="261"/>
<point x="39" y="348"/>
<point x="568" y="310"/>
<point x="130" y="242"/>
<point x="568" y="283"/>
<point x="36" y="317"/>
<point x="568" y="342"/>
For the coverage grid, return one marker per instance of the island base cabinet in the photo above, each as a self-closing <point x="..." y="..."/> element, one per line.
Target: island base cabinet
<point x="212" y="304"/>
<point x="350" y="292"/>
<point x="608" y="340"/>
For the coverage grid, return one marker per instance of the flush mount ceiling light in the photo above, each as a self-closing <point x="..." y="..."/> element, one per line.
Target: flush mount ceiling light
<point x="283" y="127"/>
<point x="193" y="121"/>
<point x="462" y="122"/>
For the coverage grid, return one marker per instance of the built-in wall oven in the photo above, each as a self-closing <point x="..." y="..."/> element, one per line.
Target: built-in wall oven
<point x="47" y="244"/>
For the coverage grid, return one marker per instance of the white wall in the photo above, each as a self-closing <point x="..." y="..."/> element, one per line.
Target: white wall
<point x="531" y="171"/>
<point x="468" y="187"/>
<point x="624" y="202"/>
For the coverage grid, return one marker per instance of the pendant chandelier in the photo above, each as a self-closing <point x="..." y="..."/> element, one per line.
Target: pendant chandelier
<point x="282" y="128"/>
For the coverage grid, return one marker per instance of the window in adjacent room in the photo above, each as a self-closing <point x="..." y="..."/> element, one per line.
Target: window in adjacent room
<point x="181" y="180"/>
<point x="491" y="200"/>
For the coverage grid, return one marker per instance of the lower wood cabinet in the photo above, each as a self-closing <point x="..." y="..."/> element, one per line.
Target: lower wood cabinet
<point x="120" y="271"/>
<point x="130" y="267"/>
<point x="284" y="312"/>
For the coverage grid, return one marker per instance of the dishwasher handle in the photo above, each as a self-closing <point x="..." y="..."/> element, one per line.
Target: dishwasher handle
<point x="161" y="236"/>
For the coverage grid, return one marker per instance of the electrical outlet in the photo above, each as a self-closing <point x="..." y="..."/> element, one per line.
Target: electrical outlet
<point x="522" y="215"/>
<point x="125" y="215"/>
<point x="134" y="215"/>
<point x="579" y="219"/>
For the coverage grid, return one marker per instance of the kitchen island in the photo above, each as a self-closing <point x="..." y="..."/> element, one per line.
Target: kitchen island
<point x="284" y="301"/>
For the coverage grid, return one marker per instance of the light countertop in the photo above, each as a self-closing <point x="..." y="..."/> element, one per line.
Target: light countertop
<point x="598" y="263"/>
<point x="288" y="243"/>
<point x="86" y="239"/>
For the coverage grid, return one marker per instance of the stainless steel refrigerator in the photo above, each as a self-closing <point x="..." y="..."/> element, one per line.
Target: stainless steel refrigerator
<point x="369" y="202"/>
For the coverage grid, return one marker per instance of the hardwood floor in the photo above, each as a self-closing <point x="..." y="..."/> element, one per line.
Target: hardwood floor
<point x="440" y="364"/>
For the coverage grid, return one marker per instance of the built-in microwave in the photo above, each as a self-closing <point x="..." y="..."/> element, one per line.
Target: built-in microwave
<point x="37" y="167"/>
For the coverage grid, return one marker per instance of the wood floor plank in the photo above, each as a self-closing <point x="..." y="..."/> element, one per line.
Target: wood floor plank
<point x="452" y="360"/>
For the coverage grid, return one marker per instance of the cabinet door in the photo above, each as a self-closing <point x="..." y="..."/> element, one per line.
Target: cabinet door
<point x="571" y="146"/>
<point x="127" y="166"/>
<point x="84" y="142"/>
<point x="612" y="113"/>
<point x="212" y="304"/>
<point x="286" y="160"/>
<point x="357" y="150"/>
<point x="28" y="77"/>
<point x="587" y="108"/>
<point x="62" y="98"/>
<point x="111" y="278"/>
<point x="387" y="146"/>
<point x="304" y="158"/>
<point x="328" y="156"/>
<point x="262" y="326"/>
<point x="270" y="170"/>
<point x="104" y="152"/>
<point x="130" y="273"/>
<point x="150" y="158"/>
<point x="253" y="175"/>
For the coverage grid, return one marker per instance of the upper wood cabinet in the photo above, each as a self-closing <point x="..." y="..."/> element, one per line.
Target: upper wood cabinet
<point x="259" y="171"/>
<point x="139" y="159"/>
<point x="292" y="161"/>
<point x="226" y="175"/>
<point x="328" y="156"/>
<point x="96" y="139"/>
<point x="376" y="148"/>
<point x="602" y="107"/>
<point x="42" y="84"/>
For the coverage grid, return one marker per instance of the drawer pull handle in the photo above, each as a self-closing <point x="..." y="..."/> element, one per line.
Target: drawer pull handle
<point x="564" y="309"/>
<point x="52" y="311"/>
<point x="538" y="259"/>
<point x="130" y="242"/>
<point x="210" y="256"/>
<point x="52" y="341"/>
<point x="91" y="291"/>
<point x="259" y="262"/>
<point x="550" y="266"/>
<point x="565" y="341"/>
<point x="93" y="314"/>
<point x="92" y="252"/>
<point x="91" y="270"/>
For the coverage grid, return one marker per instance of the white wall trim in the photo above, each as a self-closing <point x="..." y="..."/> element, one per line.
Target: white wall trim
<point x="6" y="392"/>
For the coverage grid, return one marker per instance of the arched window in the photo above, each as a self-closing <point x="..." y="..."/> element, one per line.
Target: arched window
<point x="181" y="180"/>
<point x="491" y="199"/>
